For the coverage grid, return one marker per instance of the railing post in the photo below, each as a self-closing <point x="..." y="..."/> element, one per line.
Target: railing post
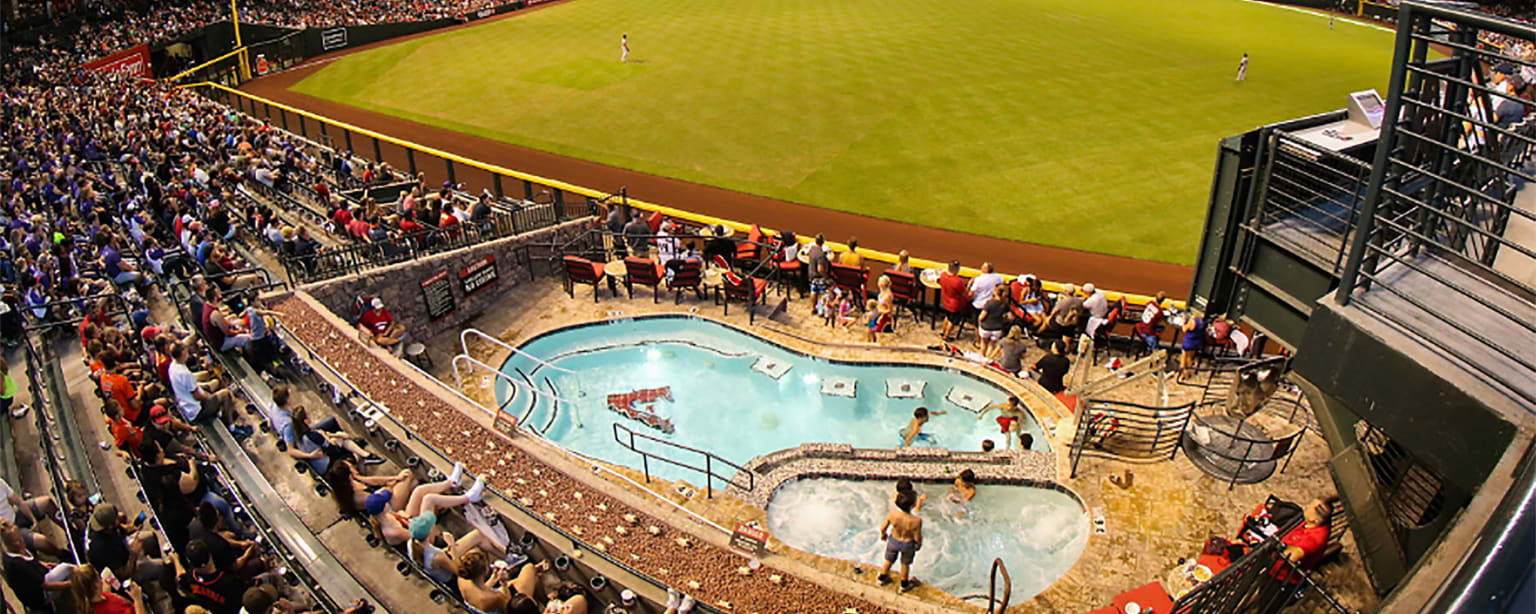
<point x="410" y="161"/>
<point x="1351" y="272"/>
<point x="709" y="478"/>
<point x="451" y="178"/>
<point x="378" y="153"/>
<point x="496" y="186"/>
<point x="347" y="136"/>
<point x="303" y="130"/>
<point x="559" y="204"/>
<point x="283" y="114"/>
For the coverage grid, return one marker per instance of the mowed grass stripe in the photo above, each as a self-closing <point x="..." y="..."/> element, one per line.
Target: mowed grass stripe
<point x="1089" y="124"/>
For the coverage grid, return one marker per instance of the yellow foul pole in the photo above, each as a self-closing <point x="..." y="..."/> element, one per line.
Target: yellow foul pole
<point x="245" y="66"/>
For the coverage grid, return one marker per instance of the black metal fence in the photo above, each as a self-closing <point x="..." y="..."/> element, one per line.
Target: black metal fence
<point x="708" y="464"/>
<point x="1116" y="429"/>
<point x="1309" y="199"/>
<point x="351" y="259"/>
<point x="1262" y="581"/>
<point x="1437" y="252"/>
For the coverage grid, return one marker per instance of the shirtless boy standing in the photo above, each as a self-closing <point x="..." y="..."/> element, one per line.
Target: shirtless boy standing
<point x="903" y="535"/>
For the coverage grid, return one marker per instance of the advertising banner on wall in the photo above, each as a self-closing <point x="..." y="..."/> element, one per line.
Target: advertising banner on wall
<point x="133" y="62"/>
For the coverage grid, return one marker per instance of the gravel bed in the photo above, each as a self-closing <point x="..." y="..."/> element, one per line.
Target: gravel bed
<point x="712" y="574"/>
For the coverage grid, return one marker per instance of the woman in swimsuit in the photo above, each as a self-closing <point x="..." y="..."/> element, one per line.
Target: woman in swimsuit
<point x="351" y="489"/>
<point x="424" y="501"/>
<point x="488" y="593"/>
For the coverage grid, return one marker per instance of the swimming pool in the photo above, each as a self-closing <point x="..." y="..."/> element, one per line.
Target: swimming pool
<point x="731" y="393"/>
<point x="1038" y="532"/>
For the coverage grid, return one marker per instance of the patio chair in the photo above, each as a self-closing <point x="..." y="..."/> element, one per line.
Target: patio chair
<point x="582" y="271"/>
<point x="787" y="268"/>
<point x="852" y="279"/>
<point x="747" y="253"/>
<point x="907" y="292"/>
<point x="689" y="275"/>
<point x="655" y="221"/>
<point x="748" y="290"/>
<point x="645" y="272"/>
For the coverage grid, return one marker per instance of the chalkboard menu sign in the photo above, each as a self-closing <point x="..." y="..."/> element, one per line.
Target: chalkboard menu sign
<point x="477" y="276"/>
<point x="437" y="291"/>
<point x="748" y="539"/>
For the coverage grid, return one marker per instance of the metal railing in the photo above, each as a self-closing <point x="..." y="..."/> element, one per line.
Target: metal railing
<point x="352" y="259"/>
<point x="708" y="470"/>
<point x="49" y="431"/>
<point x="1115" y="429"/>
<point x="1261" y="581"/>
<point x="1435" y="229"/>
<point x="995" y="605"/>
<point x="1310" y="199"/>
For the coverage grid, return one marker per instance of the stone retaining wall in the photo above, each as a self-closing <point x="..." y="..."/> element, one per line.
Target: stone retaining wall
<point x="918" y="464"/>
<point x="399" y="285"/>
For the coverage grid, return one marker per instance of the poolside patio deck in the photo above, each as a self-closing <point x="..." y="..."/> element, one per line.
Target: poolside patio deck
<point x="1167" y="512"/>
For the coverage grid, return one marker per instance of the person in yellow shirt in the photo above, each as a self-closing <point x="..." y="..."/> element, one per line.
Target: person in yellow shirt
<point x="851" y="257"/>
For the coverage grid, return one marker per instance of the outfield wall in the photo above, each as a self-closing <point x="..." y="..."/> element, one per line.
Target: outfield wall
<point x="343" y="133"/>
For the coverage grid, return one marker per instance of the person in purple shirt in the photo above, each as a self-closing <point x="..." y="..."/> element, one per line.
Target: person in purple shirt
<point x="112" y="263"/>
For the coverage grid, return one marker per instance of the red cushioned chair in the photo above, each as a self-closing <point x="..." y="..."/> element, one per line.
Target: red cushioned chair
<point x="748" y="290"/>
<point x="655" y="221"/>
<point x="645" y="272"/>
<point x="747" y="253"/>
<point x="852" y="279"/>
<point x="907" y="291"/>
<point x="787" y="268"/>
<point x="582" y="271"/>
<point x="689" y="275"/>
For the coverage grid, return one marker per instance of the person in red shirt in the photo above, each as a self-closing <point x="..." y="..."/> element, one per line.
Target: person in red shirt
<point x="955" y="299"/>
<point x="86" y="585"/>
<point x="1305" y="544"/>
<point x="376" y="324"/>
<point x="340" y="218"/>
<point x="125" y="435"/>
<point x="1151" y="323"/>
<point x="117" y="386"/>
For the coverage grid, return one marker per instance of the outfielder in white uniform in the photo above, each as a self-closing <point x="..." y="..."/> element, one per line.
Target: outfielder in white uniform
<point x="1242" y="68"/>
<point x="623" y="47"/>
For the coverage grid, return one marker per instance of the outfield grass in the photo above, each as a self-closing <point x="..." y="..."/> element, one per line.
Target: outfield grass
<point x="1090" y="124"/>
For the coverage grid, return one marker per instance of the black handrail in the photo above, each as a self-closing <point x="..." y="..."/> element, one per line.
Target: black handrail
<point x="710" y="458"/>
<point x="992" y="606"/>
<point x="41" y="401"/>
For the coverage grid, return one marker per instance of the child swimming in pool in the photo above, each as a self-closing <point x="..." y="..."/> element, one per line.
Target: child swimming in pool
<point x="914" y="429"/>
<point x="958" y="500"/>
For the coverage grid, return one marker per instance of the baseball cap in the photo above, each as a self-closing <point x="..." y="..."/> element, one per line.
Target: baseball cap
<point x="159" y="415"/>
<point x="150" y="332"/>
<point x="259" y="599"/>
<point x="1505" y="67"/>
<point x="421" y="526"/>
<point x="104" y="516"/>
<point x="377" y="304"/>
<point x="376" y="502"/>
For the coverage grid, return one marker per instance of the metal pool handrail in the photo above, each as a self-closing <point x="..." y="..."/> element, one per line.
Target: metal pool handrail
<point x="592" y="462"/>
<point x="459" y="381"/>
<point x="998" y="566"/>
<point x="709" y="459"/>
<point x="464" y="348"/>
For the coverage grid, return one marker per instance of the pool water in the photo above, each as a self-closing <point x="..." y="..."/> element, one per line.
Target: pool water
<point x="721" y="403"/>
<point x="1038" y="532"/>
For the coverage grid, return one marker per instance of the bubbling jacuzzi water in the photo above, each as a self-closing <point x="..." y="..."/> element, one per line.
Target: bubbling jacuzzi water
<point x="1037" y="532"/>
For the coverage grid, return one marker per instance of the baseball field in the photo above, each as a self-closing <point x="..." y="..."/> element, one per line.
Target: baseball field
<point x="1089" y="124"/>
